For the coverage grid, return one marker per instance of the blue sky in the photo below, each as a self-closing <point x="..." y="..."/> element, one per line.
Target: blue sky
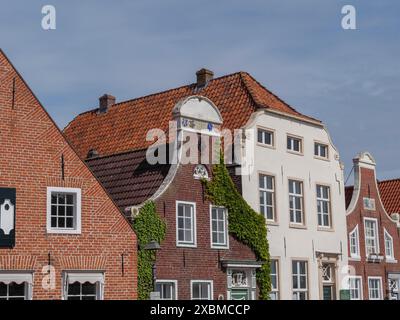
<point x="350" y="79"/>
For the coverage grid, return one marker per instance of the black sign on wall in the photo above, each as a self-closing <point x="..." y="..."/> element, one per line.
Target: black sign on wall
<point x="7" y="217"/>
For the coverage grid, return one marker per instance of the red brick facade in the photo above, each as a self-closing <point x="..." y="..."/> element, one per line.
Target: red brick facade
<point x="201" y="262"/>
<point x="30" y="161"/>
<point x="357" y="213"/>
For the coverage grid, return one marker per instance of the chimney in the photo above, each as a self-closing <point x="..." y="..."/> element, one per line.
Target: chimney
<point x="105" y="101"/>
<point x="203" y="77"/>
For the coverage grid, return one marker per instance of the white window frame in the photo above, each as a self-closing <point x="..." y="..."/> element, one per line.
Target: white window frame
<point x="276" y="274"/>
<point x="298" y="275"/>
<point x="78" y="213"/>
<point x="26" y="278"/>
<point x="211" y="288"/>
<point x="266" y="190"/>
<point x="380" y="288"/>
<point x="322" y="213"/>
<point x="360" y="293"/>
<point x="356" y="233"/>
<point x="84" y="276"/>
<point x="301" y="196"/>
<point x="291" y="148"/>
<point x="376" y="235"/>
<point x="174" y="283"/>
<point x="179" y="243"/>
<point x="391" y="249"/>
<point x="226" y="233"/>
<point x="266" y="131"/>
<point x="319" y="145"/>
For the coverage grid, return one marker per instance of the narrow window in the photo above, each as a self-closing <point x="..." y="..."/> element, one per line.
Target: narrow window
<point x="389" y="246"/>
<point x="354" y="243"/>
<point x="296" y="202"/>
<point x="324" y="206"/>
<point x="355" y="288"/>
<point x="371" y="237"/>
<point x="267" y="196"/>
<point x="186" y="229"/>
<point x="274" y="294"/>
<point x="219" y="230"/>
<point x="375" y="288"/>
<point x="299" y="275"/>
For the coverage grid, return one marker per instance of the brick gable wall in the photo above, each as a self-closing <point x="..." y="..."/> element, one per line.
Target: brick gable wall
<point x="30" y="161"/>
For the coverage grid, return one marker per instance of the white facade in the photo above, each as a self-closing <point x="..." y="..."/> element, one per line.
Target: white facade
<point x="320" y="247"/>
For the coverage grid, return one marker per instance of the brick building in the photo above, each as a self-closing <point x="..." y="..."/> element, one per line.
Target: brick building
<point x="198" y="259"/>
<point x="374" y="243"/>
<point x="61" y="236"/>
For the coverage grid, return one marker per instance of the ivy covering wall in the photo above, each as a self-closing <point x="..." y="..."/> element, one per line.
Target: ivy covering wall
<point x="245" y="224"/>
<point x="148" y="226"/>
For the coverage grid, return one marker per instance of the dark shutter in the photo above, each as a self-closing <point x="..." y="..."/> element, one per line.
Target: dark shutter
<point x="7" y="217"/>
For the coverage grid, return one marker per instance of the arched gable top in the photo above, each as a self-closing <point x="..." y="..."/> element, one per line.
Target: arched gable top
<point x="197" y="108"/>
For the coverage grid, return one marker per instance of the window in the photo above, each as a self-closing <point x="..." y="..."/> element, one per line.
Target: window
<point x="299" y="275"/>
<point x="369" y="204"/>
<point x="371" y="237"/>
<point x="267" y="196"/>
<point x="167" y="289"/>
<point x="389" y="246"/>
<point x="296" y="202"/>
<point x="63" y="210"/>
<point x="354" y="243"/>
<point x="186" y="224"/>
<point x="355" y="288"/>
<point x="274" y="294"/>
<point x="375" y="288"/>
<point x="294" y="144"/>
<point x="83" y="286"/>
<point x="324" y="206"/>
<point x="265" y="137"/>
<point x="321" y="150"/>
<point x="202" y="290"/>
<point x="15" y="285"/>
<point x="13" y="291"/>
<point x="219" y="227"/>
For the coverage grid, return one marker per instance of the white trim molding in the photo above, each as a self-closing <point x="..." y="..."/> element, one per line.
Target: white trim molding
<point x="211" y="292"/>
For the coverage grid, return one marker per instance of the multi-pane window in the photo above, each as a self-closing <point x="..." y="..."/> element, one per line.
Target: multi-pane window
<point x="63" y="210"/>
<point x="371" y="237"/>
<point x="294" y="144"/>
<point x="375" y="288"/>
<point x="202" y="290"/>
<point x="355" y="288"/>
<point x="321" y="150"/>
<point x="186" y="224"/>
<point x="63" y="207"/>
<point x="82" y="291"/>
<point x="167" y="290"/>
<point x="299" y="275"/>
<point x="324" y="206"/>
<point x="13" y="291"/>
<point x="354" y="243"/>
<point x="265" y="137"/>
<point x="219" y="230"/>
<point x="296" y="202"/>
<point x="267" y="196"/>
<point x="274" y="294"/>
<point x="389" y="246"/>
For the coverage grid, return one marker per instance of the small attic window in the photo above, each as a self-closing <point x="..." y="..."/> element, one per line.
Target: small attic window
<point x="200" y="172"/>
<point x="92" y="154"/>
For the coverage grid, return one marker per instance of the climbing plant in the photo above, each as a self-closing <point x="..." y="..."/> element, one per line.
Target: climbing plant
<point x="148" y="226"/>
<point x="245" y="224"/>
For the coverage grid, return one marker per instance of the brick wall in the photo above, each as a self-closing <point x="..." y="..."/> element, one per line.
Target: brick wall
<point x="31" y="147"/>
<point x="202" y="262"/>
<point x="368" y="188"/>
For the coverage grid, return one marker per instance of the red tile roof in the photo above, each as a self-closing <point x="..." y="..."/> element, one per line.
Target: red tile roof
<point x="124" y="126"/>
<point x="390" y="195"/>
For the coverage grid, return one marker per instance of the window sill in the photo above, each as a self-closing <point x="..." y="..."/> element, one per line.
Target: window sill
<point x="64" y="231"/>
<point x="268" y="146"/>
<point x="219" y="247"/>
<point x="297" y="226"/>
<point x="391" y="260"/>
<point x="271" y="223"/>
<point x="180" y="245"/>
<point x="358" y="258"/>
<point x="326" y="229"/>
<point x="295" y="152"/>
<point x="321" y="158"/>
